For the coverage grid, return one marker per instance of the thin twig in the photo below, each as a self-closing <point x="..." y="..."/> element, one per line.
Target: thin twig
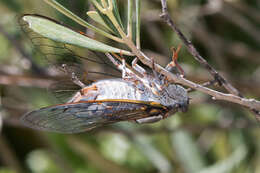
<point x="205" y="84"/>
<point x="222" y="81"/>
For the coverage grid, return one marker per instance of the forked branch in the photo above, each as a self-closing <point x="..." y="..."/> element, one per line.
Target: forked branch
<point x="234" y="96"/>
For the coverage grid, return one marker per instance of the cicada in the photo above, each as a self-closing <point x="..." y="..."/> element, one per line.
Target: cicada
<point x="136" y="96"/>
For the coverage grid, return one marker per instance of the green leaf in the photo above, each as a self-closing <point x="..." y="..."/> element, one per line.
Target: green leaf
<point x="106" y="19"/>
<point x="116" y="13"/>
<point x="130" y="18"/>
<point x="96" y="17"/>
<point x="60" y="33"/>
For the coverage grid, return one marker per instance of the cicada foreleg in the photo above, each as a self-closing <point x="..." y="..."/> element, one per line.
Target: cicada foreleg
<point x="174" y="64"/>
<point x="126" y="72"/>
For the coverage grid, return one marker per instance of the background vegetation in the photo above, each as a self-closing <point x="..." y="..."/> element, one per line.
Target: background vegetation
<point x="213" y="136"/>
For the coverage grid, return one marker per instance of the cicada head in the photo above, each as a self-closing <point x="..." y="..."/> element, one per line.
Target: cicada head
<point x="176" y="96"/>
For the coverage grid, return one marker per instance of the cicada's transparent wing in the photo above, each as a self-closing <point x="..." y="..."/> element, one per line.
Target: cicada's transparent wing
<point x="63" y="90"/>
<point x="84" y="116"/>
<point x="85" y="64"/>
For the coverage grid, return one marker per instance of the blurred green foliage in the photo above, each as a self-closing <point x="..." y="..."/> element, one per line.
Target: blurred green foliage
<point x="213" y="136"/>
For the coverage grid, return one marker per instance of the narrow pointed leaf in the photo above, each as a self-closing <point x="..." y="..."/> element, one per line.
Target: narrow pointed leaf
<point x="96" y="17"/>
<point x="130" y="19"/>
<point x="105" y="18"/>
<point x="116" y="13"/>
<point x="138" y="23"/>
<point x="60" y="33"/>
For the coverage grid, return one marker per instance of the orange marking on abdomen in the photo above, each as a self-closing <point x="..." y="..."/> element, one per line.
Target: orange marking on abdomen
<point x="86" y="92"/>
<point x="89" y="89"/>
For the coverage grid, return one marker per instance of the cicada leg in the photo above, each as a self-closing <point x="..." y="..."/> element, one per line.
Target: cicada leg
<point x="118" y="65"/>
<point x="121" y="67"/>
<point x="147" y="80"/>
<point x="127" y="73"/>
<point x="159" y="84"/>
<point x="174" y="64"/>
<point x="138" y="68"/>
<point x="151" y="119"/>
<point x="154" y="71"/>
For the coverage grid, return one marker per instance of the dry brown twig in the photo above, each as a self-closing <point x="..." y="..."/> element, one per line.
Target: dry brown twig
<point x="233" y="95"/>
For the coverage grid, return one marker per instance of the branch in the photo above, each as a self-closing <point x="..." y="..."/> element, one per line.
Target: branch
<point x="235" y="95"/>
<point x="25" y="81"/>
<point x="222" y="81"/>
